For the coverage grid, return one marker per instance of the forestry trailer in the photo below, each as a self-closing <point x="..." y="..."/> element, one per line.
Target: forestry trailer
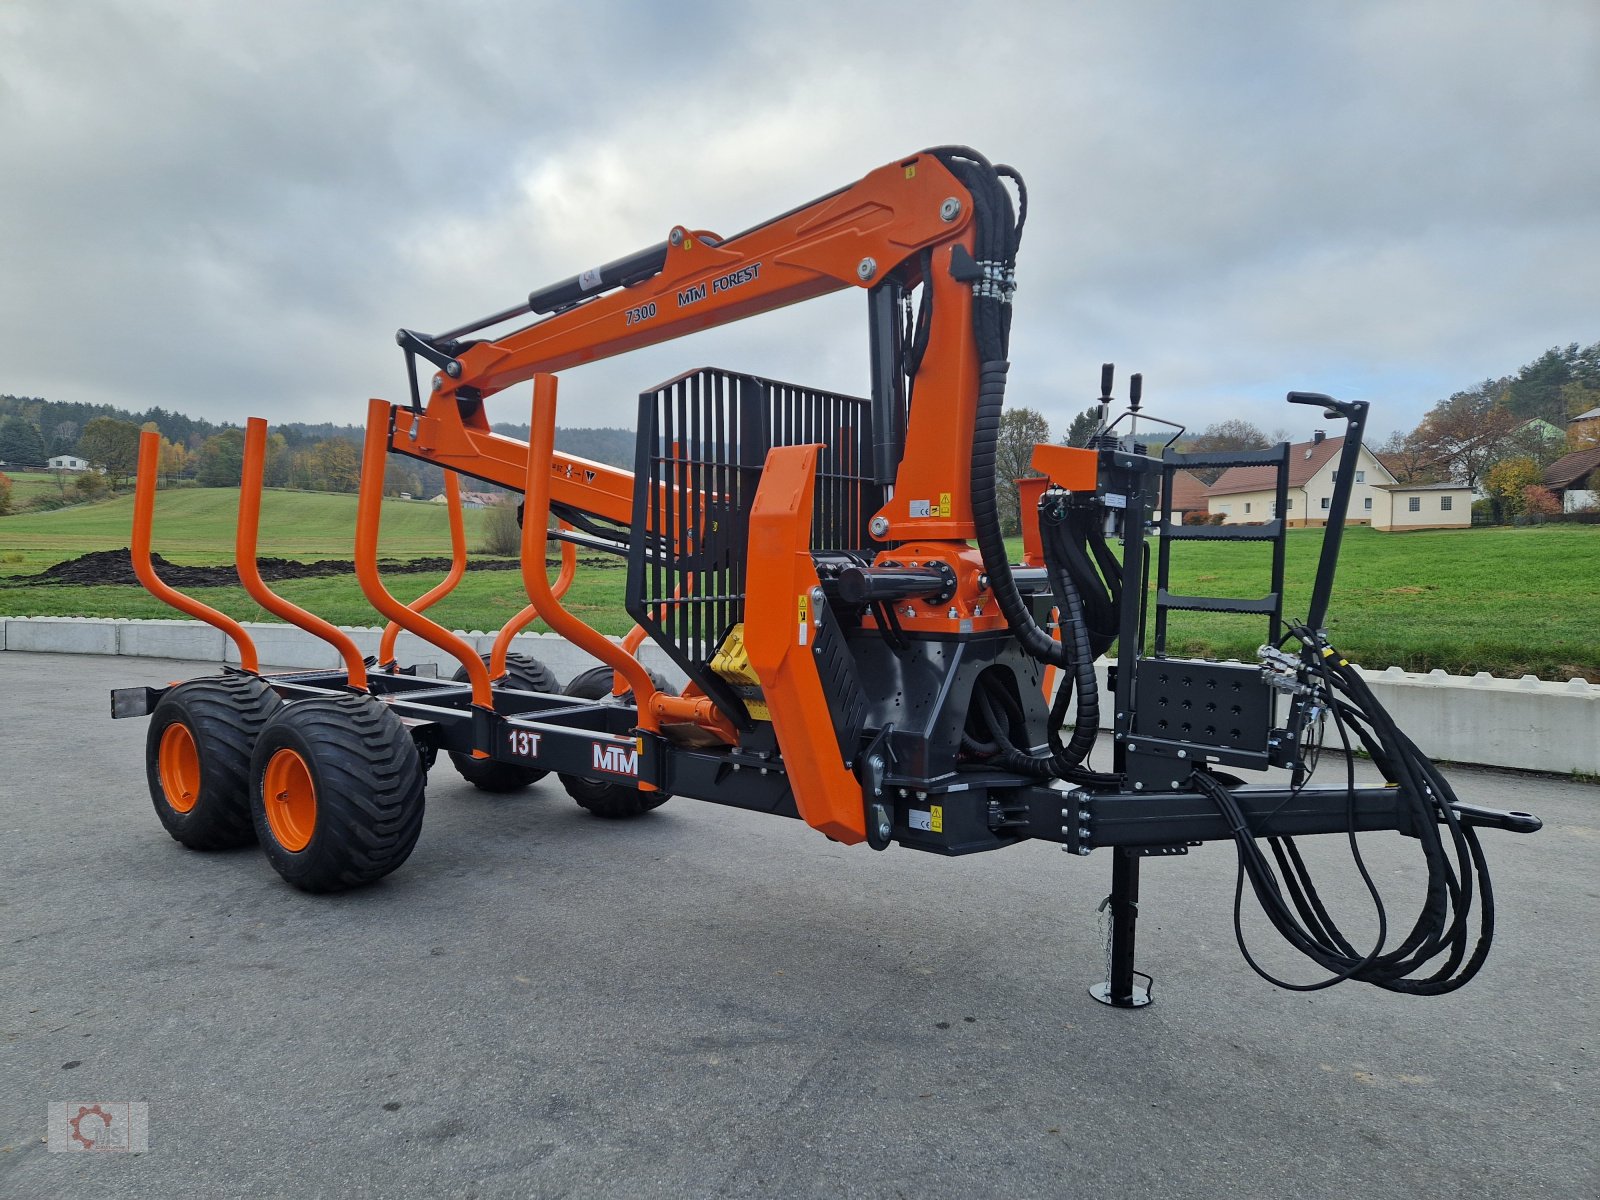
<point x="829" y="574"/>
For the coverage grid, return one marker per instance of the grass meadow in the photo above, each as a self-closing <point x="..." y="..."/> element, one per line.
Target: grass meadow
<point x="1505" y="600"/>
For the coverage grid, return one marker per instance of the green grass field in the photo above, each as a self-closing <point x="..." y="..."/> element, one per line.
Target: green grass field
<point x="27" y="485"/>
<point x="1505" y="600"/>
<point x="1510" y="601"/>
<point x="196" y="526"/>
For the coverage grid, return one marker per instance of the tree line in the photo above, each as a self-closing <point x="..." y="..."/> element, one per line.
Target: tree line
<point x="1496" y="437"/>
<point x="306" y="456"/>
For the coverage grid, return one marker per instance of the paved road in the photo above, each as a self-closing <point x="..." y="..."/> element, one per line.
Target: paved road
<point x="712" y="1003"/>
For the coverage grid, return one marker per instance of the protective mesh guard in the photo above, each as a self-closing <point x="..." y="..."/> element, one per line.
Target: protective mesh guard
<point x="703" y="439"/>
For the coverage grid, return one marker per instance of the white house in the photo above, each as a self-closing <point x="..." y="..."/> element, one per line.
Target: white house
<point x="69" y="462"/>
<point x="1403" y="506"/>
<point x="1247" y="495"/>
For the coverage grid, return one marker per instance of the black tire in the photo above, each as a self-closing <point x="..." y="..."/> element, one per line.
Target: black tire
<point x="486" y="774"/>
<point x="366" y="782"/>
<point x="613" y="801"/>
<point x="222" y="717"/>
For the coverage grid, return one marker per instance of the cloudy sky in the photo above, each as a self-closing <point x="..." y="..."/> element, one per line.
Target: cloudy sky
<point x="228" y="208"/>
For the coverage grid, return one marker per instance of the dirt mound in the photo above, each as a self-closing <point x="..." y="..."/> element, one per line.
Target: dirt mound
<point x="116" y="567"/>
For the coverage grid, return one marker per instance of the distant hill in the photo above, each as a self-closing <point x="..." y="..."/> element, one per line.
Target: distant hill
<point x="60" y="424"/>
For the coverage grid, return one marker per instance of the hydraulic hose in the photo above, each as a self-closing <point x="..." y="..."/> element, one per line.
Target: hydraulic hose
<point x="996" y="239"/>
<point x="1457" y="871"/>
<point x="1074" y="576"/>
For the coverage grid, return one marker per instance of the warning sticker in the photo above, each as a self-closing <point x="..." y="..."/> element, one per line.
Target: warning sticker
<point x="931" y="821"/>
<point x="921" y="508"/>
<point x="590" y="279"/>
<point x="944" y="504"/>
<point x="805" y="616"/>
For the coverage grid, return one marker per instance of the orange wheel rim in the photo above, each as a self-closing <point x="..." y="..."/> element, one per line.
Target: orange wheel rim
<point x="290" y="799"/>
<point x="179" y="763"/>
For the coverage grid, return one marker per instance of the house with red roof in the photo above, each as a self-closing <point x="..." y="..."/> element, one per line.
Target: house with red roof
<point x="1188" y="495"/>
<point x="1247" y="495"/>
<point x="1575" y="478"/>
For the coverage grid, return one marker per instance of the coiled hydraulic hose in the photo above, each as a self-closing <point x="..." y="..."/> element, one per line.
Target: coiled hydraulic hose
<point x="1454" y="880"/>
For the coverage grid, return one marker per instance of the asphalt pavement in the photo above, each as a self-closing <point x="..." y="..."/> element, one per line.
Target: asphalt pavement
<point x="706" y="1002"/>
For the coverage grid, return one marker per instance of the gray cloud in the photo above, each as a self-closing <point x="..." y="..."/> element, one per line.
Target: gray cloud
<point x="228" y="209"/>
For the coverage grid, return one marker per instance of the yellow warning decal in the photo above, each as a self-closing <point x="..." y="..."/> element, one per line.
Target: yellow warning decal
<point x="936" y="818"/>
<point x="944" y="504"/>
<point x="805" y="616"/>
<point x="911" y="172"/>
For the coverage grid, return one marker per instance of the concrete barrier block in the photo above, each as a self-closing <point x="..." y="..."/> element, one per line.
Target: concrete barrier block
<point x="285" y="646"/>
<point x="61" y="635"/>
<point x="171" y="639"/>
<point x="1528" y="723"/>
<point x="365" y="637"/>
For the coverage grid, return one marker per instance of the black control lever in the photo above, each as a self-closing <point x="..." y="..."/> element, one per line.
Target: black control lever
<point x="1354" y="413"/>
<point x="1336" y="409"/>
<point x="1107" y="375"/>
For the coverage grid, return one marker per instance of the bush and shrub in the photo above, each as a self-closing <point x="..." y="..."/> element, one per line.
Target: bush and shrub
<point x="502" y="532"/>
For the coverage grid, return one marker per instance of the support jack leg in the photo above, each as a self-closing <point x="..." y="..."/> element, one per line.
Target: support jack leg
<point x="1119" y="990"/>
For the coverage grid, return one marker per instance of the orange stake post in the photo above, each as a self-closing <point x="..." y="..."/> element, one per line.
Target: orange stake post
<point x="458" y="568"/>
<point x="526" y="617"/>
<point x="255" y="456"/>
<point x="535" y="542"/>
<point x="369" y="512"/>
<point x="144" y="507"/>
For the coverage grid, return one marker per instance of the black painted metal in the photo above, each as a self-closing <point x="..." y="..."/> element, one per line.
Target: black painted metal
<point x="703" y="441"/>
<point x="920" y="693"/>
<point x="1202" y="705"/>
<point x="1354" y="413"/>
<point x="1274" y="531"/>
<point x="888" y="379"/>
<point x="641" y="264"/>
<point x="1124" y="902"/>
<point x="1084" y="820"/>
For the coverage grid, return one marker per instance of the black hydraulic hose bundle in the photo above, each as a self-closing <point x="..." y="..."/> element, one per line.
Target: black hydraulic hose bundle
<point x="1442" y="928"/>
<point x="1078" y="588"/>
<point x="996" y="239"/>
<point x="1087" y="602"/>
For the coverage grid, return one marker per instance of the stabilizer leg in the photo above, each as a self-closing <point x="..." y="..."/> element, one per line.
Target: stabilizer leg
<point x="1119" y="990"/>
